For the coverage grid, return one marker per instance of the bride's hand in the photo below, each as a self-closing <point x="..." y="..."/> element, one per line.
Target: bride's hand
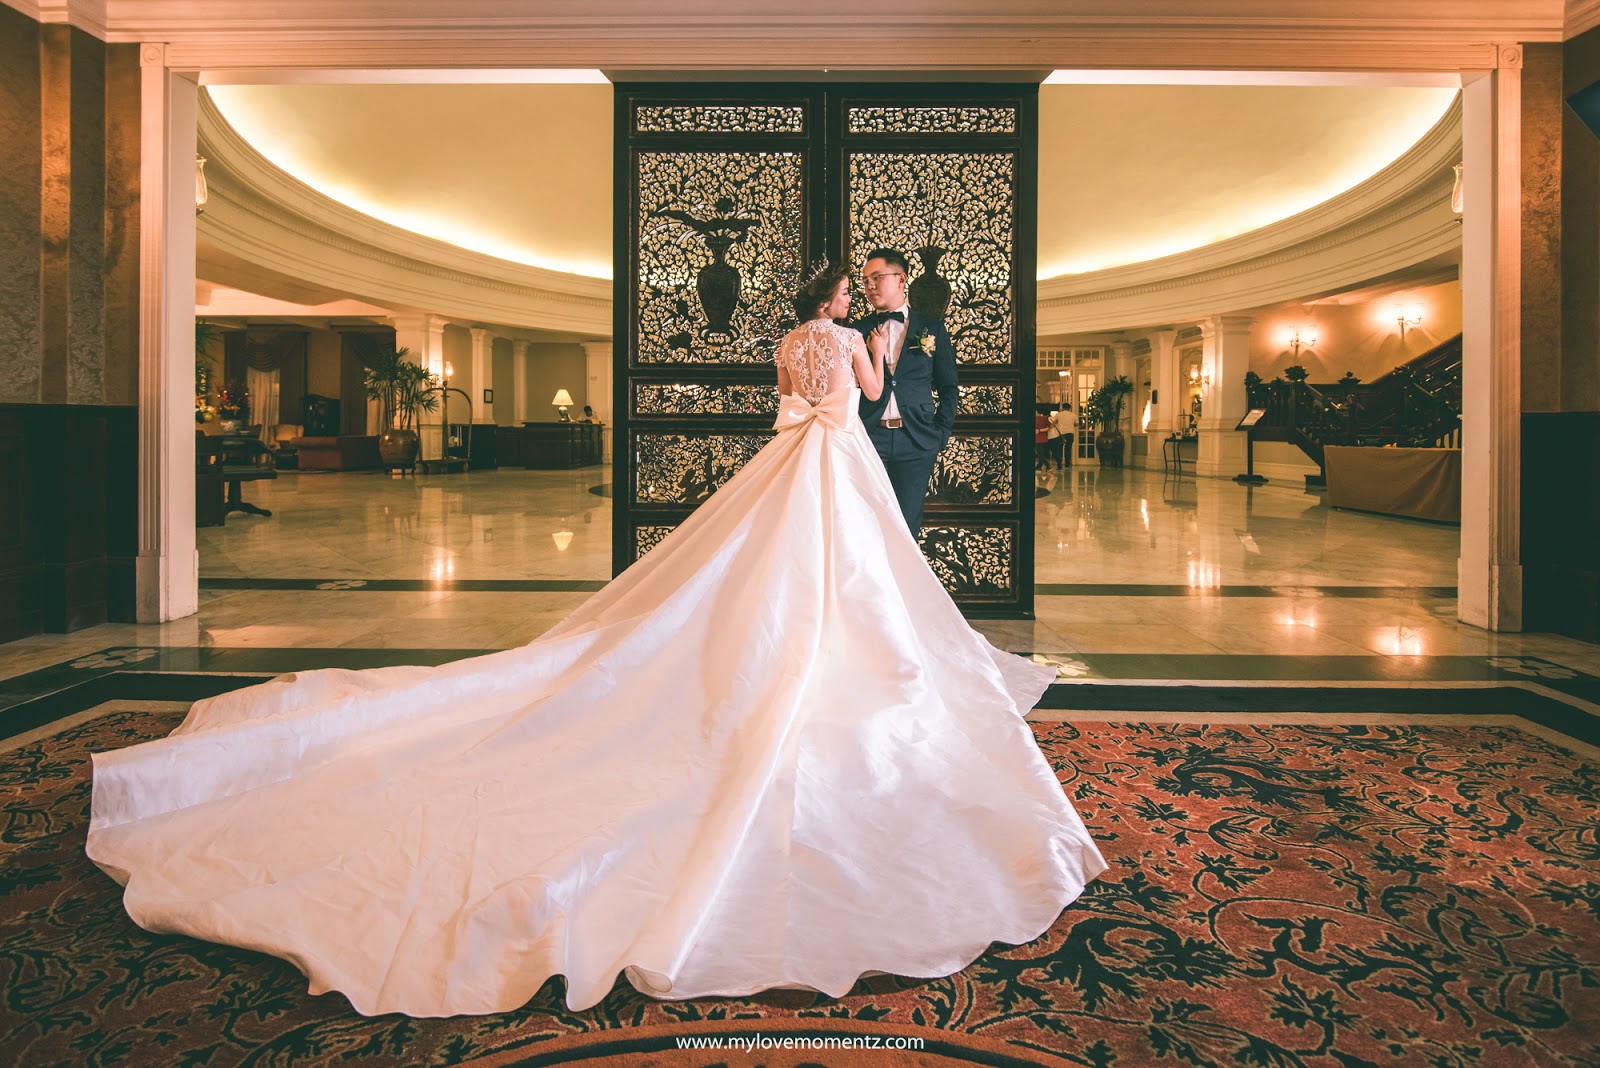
<point x="878" y="341"/>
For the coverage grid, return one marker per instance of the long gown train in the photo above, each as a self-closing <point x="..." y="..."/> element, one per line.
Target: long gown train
<point x="771" y="754"/>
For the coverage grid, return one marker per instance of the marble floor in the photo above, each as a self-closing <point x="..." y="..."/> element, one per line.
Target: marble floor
<point x="1137" y="577"/>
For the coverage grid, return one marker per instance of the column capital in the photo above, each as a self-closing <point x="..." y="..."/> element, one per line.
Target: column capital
<point x="519" y="348"/>
<point x="419" y="323"/>
<point x="598" y="348"/>
<point x="1225" y="324"/>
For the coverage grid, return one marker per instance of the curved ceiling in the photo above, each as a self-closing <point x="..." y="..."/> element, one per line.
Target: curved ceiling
<point x="1127" y="172"/>
<point x="521" y="172"/>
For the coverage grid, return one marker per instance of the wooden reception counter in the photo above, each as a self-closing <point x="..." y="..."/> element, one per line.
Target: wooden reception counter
<point x="554" y="446"/>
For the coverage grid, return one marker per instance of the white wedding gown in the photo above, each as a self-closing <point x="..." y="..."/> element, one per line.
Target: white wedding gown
<point x="772" y="753"/>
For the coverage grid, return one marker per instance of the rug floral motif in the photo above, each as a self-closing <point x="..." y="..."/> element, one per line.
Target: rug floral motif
<point x="1408" y="894"/>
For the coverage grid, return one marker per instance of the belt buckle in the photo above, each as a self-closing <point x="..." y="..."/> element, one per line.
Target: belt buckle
<point x="894" y="424"/>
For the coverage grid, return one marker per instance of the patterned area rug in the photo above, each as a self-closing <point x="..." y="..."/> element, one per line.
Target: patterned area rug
<point x="1411" y="894"/>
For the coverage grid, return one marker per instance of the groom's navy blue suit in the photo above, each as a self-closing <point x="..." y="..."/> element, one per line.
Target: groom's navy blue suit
<point x="924" y="389"/>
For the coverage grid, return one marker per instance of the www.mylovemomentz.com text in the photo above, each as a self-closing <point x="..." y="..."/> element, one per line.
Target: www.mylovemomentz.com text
<point x="758" y="1041"/>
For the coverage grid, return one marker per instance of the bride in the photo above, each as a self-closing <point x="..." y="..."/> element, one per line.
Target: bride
<point x="770" y="754"/>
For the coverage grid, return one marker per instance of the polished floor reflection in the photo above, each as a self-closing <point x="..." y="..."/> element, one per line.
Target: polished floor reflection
<point x="1138" y="576"/>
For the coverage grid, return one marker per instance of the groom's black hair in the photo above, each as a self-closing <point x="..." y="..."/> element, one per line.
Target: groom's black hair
<point x="893" y="257"/>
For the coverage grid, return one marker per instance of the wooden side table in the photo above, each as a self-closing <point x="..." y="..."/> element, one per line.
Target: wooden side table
<point x="244" y="459"/>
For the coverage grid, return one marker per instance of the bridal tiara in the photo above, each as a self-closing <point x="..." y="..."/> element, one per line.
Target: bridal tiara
<point x="817" y="272"/>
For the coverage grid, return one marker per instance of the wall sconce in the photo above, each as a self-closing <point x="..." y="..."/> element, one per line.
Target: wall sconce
<point x="1196" y="378"/>
<point x="561" y="400"/>
<point x="200" y="194"/>
<point x="1408" y="316"/>
<point x="1458" y="195"/>
<point x="562" y="538"/>
<point x="1296" y="343"/>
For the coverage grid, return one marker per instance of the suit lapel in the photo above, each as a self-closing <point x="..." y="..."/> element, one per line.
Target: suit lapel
<point x="900" y="341"/>
<point x="913" y="325"/>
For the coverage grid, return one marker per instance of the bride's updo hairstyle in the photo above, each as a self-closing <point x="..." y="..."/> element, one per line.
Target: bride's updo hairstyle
<point x="818" y="289"/>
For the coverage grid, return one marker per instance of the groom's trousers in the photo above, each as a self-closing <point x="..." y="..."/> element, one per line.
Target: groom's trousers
<point x="909" y="469"/>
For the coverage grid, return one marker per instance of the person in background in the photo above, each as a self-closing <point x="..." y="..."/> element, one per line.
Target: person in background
<point x="1041" y="436"/>
<point x="1064" y="422"/>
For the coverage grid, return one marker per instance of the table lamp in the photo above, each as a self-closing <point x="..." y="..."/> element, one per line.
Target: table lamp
<point x="562" y="399"/>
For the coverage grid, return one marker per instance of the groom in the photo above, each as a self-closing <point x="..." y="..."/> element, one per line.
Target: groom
<point x="905" y="424"/>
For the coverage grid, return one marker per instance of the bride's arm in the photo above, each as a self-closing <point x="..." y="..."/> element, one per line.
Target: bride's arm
<point x="869" y="368"/>
<point x="785" y="383"/>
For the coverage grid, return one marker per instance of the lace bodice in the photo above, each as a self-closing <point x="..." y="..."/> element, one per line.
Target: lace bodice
<point x="817" y="355"/>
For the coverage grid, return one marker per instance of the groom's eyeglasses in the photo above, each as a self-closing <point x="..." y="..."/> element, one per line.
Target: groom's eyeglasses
<point x="875" y="280"/>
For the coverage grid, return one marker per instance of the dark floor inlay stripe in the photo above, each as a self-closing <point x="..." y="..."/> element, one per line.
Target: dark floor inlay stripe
<point x="1150" y="589"/>
<point x="358" y="585"/>
<point x="1331" y="700"/>
<point x="1488" y="700"/>
<point x="1042" y="589"/>
<point x="118" y="686"/>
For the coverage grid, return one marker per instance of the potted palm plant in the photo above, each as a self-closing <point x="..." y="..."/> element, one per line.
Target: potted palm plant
<point x="405" y="389"/>
<point x="1104" y="410"/>
<point x="204" y="334"/>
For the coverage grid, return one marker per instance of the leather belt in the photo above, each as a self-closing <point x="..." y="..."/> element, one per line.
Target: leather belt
<point x="893" y="424"/>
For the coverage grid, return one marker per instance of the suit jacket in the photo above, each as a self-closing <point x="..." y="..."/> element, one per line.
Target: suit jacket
<point x="924" y="386"/>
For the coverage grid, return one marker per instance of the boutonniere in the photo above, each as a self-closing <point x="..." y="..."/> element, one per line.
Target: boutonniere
<point x="924" y="341"/>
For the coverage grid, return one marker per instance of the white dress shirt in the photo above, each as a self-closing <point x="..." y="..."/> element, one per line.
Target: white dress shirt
<point x="891" y="359"/>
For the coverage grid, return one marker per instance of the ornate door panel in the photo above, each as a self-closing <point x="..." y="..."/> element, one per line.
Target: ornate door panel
<point x="712" y="238"/>
<point x="948" y="175"/>
<point x="731" y="192"/>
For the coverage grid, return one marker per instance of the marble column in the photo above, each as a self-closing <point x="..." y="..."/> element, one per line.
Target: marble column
<point x="519" y="382"/>
<point x="168" y="571"/>
<point x="1490" y="568"/>
<point x="1225" y="342"/>
<point x="482" y="373"/>
<point x="597" y="360"/>
<point x="1120" y="363"/>
<point x="423" y="336"/>
<point x="1164" y="384"/>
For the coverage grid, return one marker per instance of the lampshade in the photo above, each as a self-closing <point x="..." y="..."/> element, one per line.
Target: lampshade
<point x="562" y="397"/>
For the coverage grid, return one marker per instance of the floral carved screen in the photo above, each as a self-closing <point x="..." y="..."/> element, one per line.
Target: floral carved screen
<point x="953" y="214"/>
<point x="720" y="249"/>
<point x="949" y="184"/>
<point x="733" y="192"/>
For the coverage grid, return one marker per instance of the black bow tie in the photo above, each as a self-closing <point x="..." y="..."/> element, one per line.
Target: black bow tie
<point x="894" y="316"/>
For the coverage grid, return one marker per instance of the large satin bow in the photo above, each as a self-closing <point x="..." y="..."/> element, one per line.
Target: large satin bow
<point x="834" y="410"/>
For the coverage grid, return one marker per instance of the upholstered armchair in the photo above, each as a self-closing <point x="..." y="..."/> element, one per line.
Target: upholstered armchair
<point x="280" y="439"/>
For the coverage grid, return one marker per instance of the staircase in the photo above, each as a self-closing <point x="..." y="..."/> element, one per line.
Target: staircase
<point x="1418" y="405"/>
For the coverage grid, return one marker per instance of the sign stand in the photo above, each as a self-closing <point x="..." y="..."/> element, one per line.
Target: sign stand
<point x="1251" y="418"/>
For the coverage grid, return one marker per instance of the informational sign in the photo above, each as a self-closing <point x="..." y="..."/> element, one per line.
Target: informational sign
<point x="1251" y="418"/>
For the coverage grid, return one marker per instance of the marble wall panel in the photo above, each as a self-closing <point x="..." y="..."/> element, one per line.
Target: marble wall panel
<point x="20" y="155"/>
